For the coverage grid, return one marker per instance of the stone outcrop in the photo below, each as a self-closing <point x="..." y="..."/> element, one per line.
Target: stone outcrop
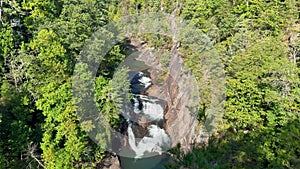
<point x="112" y="163"/>
<point x="179" y="90"/>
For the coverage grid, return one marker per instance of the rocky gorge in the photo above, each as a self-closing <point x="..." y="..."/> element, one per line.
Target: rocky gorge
<point x="164" y="106"/>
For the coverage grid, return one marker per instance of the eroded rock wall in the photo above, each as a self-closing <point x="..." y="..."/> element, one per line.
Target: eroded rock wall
<point x="179" y="90"/>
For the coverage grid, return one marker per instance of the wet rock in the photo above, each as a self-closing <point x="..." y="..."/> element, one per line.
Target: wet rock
<point x="150" y="107"/>
<point x="139" y="130"/>
<point x="112" y="163"/>
<point x="156" y="141"/>
<point x="140" y="83"/>
<point x="179" y="90"/>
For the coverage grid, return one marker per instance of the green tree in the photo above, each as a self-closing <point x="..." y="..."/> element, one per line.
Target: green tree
<point x="6" y="46"/>
<point x="20" y="126"/>
<point x="63" y="140"/>
<point x="261" y="108"/>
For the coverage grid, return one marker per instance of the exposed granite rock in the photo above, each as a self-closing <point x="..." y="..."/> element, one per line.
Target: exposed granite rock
<point x="179" y="90"/>
<point x="112" y="163"/>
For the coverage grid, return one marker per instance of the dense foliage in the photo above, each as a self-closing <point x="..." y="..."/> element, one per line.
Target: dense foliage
<point x="257" y="40"/>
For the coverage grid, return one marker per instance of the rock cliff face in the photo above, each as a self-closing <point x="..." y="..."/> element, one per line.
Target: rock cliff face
<point x="178" y="88"/>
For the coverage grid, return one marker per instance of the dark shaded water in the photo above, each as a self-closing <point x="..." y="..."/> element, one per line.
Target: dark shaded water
<point x="150" y="162"/>
<point x="133" y="64"/>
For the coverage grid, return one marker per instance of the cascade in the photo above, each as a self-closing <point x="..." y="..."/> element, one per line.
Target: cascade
<point x="156" y="140"/>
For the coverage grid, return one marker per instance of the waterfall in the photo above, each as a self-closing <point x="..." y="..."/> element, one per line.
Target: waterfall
<point x="151" y="107"/>
<point x="156" y="142"/>
<point x="131" y="138"/>
<point x="160" y="137"/>
<point x="146" y="81"/>
<point x="140" y="82"/>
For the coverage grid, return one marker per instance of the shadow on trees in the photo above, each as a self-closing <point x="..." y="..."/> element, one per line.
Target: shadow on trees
<point x="20" y="127"/>
<point x="263" y="148"/>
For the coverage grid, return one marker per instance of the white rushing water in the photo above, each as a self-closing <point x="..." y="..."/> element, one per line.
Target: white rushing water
<point x="156" y="142"/>
<point x="140" y="82"/>
<point x="150" y="107"/>
<point x="146" y="81"/>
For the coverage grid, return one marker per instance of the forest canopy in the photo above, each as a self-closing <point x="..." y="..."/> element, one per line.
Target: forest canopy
<point x="258" y="42"/>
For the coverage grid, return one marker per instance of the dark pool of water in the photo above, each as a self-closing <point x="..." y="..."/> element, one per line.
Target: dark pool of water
<point x="150" y="162"/>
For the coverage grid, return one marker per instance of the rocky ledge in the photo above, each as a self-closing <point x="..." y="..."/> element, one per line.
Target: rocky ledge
<point x="178" y="88"/>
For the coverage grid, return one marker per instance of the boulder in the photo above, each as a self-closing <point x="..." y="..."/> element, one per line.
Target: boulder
<point x="112" y="163"/>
